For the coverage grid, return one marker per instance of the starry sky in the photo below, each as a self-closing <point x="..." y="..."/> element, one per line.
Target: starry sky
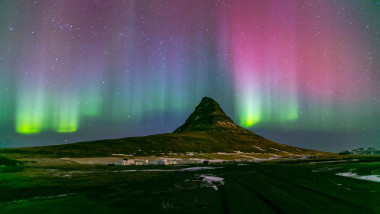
<point x="300" y="72"/>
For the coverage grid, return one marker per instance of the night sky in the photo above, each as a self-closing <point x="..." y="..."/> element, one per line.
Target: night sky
<point x="300" y="72"/>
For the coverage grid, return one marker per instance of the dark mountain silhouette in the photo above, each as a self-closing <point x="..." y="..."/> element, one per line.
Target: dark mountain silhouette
<point x="208" y="116"/>
<point x="362" y="151"/>
<point x="208" y="129"/>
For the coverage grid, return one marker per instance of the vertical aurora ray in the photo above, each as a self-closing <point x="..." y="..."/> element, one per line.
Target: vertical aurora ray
<point x="30" y="114"/>
<point x="6" y="91"/>
<point x="251" y="107"/>
<point x="91" y="93"/>
<point x="263" y="58"/>
<point x="31" y="111"/>
<point x="280" y="61"/>
<point x="333" y="66"/>
<point x="6" y="100"/>
<point x="67" y="116"/>
<point x="32" y="104"/>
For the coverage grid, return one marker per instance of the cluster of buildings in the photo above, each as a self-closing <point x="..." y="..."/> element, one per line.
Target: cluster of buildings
<point x="139" y="162"/>
<point x="159" y="161"/>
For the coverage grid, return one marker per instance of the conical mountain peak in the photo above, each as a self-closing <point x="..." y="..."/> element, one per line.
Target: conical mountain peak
<point x="209" y="106"/>
<point x="208" y="115"/>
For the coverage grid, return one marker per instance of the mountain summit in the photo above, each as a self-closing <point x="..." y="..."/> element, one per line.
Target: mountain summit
<point x="209" y="116"/>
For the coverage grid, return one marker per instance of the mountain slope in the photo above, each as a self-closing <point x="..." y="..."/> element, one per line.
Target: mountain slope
<point x="362" y="151"/>
<point x="208" y="130"/>
<point x="208" y="116"/>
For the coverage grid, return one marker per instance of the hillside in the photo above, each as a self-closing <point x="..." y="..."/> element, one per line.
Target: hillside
<point x="208" y="130"/>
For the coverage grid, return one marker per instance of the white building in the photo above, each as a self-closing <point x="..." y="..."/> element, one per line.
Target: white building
<point x="126" y="162"/>
<point x="141" y="162"/>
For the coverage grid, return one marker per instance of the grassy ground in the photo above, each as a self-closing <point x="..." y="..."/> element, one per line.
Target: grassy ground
<point x="7" y="161"/>
<point x="282" y="187"/>
<point x="163" y="144"/>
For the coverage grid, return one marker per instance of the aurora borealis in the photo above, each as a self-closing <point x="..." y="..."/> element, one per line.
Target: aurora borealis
<point x="303" y="73"/>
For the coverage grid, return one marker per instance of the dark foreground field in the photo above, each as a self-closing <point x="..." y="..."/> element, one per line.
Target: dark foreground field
<point x="288" y="187"/>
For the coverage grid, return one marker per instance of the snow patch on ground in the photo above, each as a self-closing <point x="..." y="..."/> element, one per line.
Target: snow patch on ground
<point x="212" y="181"/>
<point x="374" y="178"/>
<point x="192" y="169"/>
<point x="332" y="161"/>
<point x="121" y="155"/>
<point x="258" y="160"/>
<point x="259" y="148"/>
<point x="301" y="157"/>
<point x="198" y="168"/>
<point x="198" y="160"/>
<point x="276" y="149"/>
<point x="40" y="198"/>
<point x="325" y="169"/>
<point x="146" y="170"/>
<point x="224" y="153"/>
<point x="173" y="159"/>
